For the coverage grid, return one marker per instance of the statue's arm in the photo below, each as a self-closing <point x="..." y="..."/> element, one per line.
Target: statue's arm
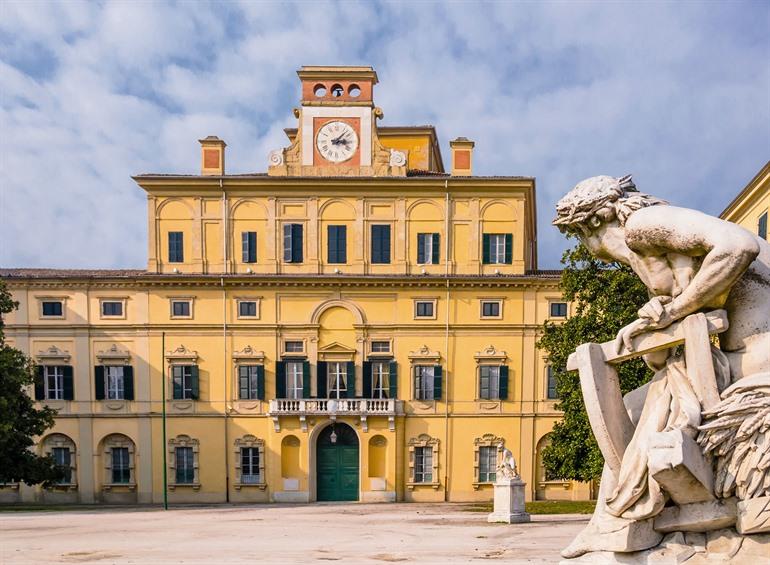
<point x="726" y="251"/>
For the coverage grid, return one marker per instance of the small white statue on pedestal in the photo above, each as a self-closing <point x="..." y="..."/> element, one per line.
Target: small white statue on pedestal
<point x="509" y="492"/>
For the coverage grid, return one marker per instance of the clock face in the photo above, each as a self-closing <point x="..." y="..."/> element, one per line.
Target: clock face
<point x="336" y="141"/>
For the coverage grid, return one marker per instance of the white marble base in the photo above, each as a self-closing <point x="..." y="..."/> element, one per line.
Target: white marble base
<point x="509" y="502"/>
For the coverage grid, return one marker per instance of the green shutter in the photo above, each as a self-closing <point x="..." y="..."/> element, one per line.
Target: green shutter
<point x="69" y="393"/>
<point x="243" y="382"/>
<point x="436" y="248"/>
<point x="393" y="380"/>
<point x="504" y="382"/>
<point x="287" y="247"/>
<point x="421" y="248"/>
<point x="195" y="384"/>
<point x="351" y="384"/>
<point x="261" y="382"/>
<point x="40" y="383"/>
<point x="366" y="384"/>
<point x="342" y="244"/>
<point x="306" y="379"/>
<point x="485" y="249"/>
<point x="99" y="382"/>
<point x="280" y="379"/>
<point x="320" y="376"/>
<point x="331" y="240"/>
<point x="128" y="382"/>
<point x="437" y="382"/>
<point x="508" y="248"/>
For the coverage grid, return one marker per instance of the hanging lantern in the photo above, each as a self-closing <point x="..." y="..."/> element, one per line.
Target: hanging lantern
<point x="333" y="437"/>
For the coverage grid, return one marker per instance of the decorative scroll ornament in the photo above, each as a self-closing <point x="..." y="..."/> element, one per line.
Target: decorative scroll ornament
<point x="397" y="158"/>
<point x="53" y="353"/>
<point x="275" y="158"/>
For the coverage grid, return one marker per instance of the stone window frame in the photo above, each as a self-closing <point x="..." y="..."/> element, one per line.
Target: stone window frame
<point x="189" y="299"/>
<point x="487" y="299"/>
<point x="123" y="301"/>
<point x="256" y="299"/>
<point x="58" y="298"/>
<point x="424" y="440"/>
<point x="388" y="353"/>
<point x="418" y="300"/>
<point x="58" y="439"/>
<point x="552" y="301"/>
<point x="486" y="440"/>
<point x="183" y="440"/>
<point x="250" y="441"/>
<point x="285" y="353"/>
<point x="246" y="356"/>
<point x="491" y="357"/>
<point x="118" y="440"/>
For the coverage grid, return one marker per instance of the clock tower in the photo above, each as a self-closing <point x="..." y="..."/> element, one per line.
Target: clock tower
<point x="337" y="130"/>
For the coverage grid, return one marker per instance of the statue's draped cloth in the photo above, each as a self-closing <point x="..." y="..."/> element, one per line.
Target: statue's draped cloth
<point x="671" y="404"/>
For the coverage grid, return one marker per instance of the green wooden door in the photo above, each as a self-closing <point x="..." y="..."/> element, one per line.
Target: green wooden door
<point x="337" y="464"/>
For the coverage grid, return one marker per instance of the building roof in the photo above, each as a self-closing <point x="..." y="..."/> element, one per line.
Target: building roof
<point x="38" y="274"/>
<point x="743" y="194"/>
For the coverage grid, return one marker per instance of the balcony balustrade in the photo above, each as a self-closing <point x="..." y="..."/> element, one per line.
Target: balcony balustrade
<point x="333" y="407"/>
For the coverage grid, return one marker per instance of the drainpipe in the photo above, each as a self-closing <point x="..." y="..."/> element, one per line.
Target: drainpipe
<point x="224" y="339"/>
<point x="446" y="343"/>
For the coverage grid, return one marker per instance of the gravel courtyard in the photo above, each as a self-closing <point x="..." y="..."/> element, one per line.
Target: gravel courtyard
<point x="345" y="533"/>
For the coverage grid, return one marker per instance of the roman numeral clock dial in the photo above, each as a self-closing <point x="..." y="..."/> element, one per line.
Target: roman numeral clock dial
<point x="336" y="141"/>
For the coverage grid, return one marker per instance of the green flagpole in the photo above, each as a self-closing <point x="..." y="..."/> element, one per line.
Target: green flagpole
<point x="163" y="405"/>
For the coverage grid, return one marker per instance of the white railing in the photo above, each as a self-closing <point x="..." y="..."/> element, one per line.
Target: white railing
<point x="332" y="407"/>
<point x="342" y="406"/>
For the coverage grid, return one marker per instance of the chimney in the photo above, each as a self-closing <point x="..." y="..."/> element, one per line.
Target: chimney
<point x="212" y="155"/>
<point x="462" y="157"/>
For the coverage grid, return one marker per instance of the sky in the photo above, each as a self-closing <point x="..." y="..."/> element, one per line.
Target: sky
<point x="677" y="93"/>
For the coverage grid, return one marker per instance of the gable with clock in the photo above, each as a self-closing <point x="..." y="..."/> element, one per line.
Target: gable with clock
<point x="337" y="133"/>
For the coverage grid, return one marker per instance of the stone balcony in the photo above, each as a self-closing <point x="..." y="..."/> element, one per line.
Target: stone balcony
<point x="331" y="407"/>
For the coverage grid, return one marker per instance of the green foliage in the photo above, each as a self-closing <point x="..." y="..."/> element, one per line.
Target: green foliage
<point x="605" y="298"/>
<point x="20" y="421"/>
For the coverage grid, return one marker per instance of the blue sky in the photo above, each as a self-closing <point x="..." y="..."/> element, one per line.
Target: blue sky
<point x="677" y="93"/>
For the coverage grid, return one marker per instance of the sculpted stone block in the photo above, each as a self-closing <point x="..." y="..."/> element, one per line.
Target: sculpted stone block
<point x="676" y="462"/>
<point x="697" y="517"/>
<point x="754" y="516"/>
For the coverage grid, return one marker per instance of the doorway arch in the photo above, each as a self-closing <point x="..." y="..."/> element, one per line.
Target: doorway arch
<point x="337" y="463"/>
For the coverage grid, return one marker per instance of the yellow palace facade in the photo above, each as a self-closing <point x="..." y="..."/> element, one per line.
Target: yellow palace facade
<point x="354" y="324"/>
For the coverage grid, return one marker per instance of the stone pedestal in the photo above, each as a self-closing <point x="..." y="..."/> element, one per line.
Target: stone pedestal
<point x="509" y="502"/>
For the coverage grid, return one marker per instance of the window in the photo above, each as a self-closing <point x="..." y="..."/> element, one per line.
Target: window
<point x="292" y="243"/>
<point x="180" y="309"/>
<point x="428" y="248"/>
<point x="185" y="465"/>
<point x="490" y="308"/>
<point x="54" y="383"/>
<point x="53" y="308"/>
<point x="558" y="309"/>
<point x="251" y="382"/>
<point x="249" y="246"/>
<point x="114" y="384"/>
<point x="424" y="309"/>
<point x="423" y="464"/>
<point x="121" y="467"/>
<point x="294" y="346"/>
<point x="337" y="378"/>
<point x="489" y="386"/>
<point x="294" y="379"/>
<point x="487" y="464"/>
<point x="250" y="465"/>
<point x="380" y="347"/>
<point x="337" y="251"/>
<point x="62" y="456"/>
<point x="380" y="379"/>
<point x="497" y="248"/>
<point x="380" y="244"/>
<point x="425" y="377"/>
<point x="185" y="382"/>
<point x="175" y="247"/>
<point x="551" y="383"/>
<point x="112" y="308"/>
<point x="762" y="226"/>
<point x="247" y="308"/>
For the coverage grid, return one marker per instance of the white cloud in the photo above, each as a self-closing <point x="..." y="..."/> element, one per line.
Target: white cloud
<point x="678" y="94"/>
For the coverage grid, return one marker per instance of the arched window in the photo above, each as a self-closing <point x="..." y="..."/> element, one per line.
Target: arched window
<point x="62" y="449"/>
<point x="250" y="462"/>
<point x="183" y="462"/>
<point x="118" y="457"/>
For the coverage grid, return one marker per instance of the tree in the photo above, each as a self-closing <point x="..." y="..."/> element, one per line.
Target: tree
<point x="20" y="421"/>
<point x="606" y="297"/>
